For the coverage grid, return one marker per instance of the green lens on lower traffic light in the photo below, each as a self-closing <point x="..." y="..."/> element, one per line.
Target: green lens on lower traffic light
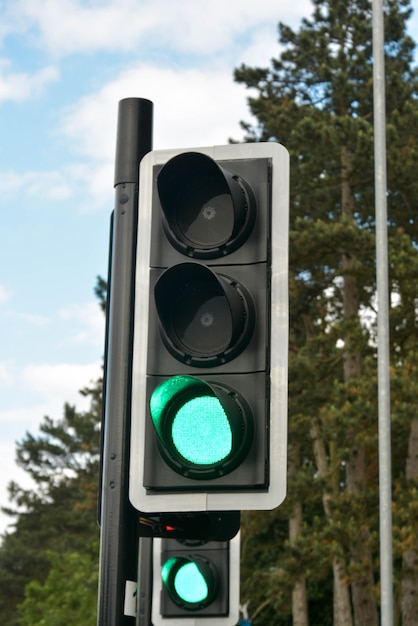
<point x="190" y="584"/>
<point x="204" y="429"/>
<point x="190" y="581"/>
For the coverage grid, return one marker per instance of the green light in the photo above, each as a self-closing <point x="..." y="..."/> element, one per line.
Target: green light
<point x="204" y="429"/>
<point x="184" y="410"/>
<point x="201" y="432"/>
<point x="183" y="578"/>
<point x="190" y="584"/>
<point x="163" y="395"/>
<point x="166" y="569"/>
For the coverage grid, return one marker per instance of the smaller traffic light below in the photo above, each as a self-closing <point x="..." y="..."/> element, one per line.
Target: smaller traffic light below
<point x="197" y="581"/>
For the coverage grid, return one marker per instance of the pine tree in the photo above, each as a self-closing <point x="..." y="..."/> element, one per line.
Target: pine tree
<point x="316" y="99"/>
<point x="58" y="516"/>
<point x="69" y="594"/>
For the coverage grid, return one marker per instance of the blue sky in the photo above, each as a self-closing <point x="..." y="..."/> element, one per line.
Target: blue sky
<point x="64" y="65"/>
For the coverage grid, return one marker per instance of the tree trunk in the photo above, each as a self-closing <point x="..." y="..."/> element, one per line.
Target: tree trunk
<point x="409" y="584"/>
<point x="342" y="609"/>
<point x="364" y="603"/>
<point x="299" y="595"/>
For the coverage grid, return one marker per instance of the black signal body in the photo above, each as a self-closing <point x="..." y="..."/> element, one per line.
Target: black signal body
<point x="203" y="313"/>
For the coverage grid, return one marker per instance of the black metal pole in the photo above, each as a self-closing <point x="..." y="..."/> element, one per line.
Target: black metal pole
<point x="118" y="519"/>
<point x="144" y="589"/>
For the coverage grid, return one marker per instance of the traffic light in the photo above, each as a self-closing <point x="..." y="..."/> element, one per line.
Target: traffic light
<point x="195" y="581"/>
<point x="209" y="382"/>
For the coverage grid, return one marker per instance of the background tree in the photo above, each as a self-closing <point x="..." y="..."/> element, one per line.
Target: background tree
<point x="68" y="595"/>
<point x="55" y="537"/>
<point x="316" y="99"/>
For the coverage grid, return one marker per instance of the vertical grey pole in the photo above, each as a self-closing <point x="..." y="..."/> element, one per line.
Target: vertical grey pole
<point x="385" y="472"/>
<point x="145" y="577"/>
<point x="118" y="519"/>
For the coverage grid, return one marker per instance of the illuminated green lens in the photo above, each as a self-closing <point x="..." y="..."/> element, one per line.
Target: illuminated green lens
<point x="163" y="395"/>
<point x="190" y="417"/>
<point x="190" y="585"/>
<point x="165" y="570"/>
<point x="185" y="580"/>
<point x="205" y="429"/>
<point x="201" y="432"/>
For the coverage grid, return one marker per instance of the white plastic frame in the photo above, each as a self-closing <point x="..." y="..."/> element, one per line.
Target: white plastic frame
<point x="234" y="586"/>
<point x="240" y="499"/>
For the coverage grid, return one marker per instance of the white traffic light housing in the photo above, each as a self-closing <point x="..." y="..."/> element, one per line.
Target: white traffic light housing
<point x="209" y="382"/>
<point x="196" y="582"/>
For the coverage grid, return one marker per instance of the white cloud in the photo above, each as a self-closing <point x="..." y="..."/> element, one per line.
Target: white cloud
<point x="189" y="105"/>
<point x="35" y="319"/>
<point x="90" y="124"/>
<point x="5" y="376"/>
<point x="191" y="108"/>
<point x="4" y="294"/>
<point x="22" y="415"/>
<point x="48" y="386"/>
<point x="67" y="26"/>
<point x="59" y="382"/>
<point x="43" y="389"/>
<point x="21" y="85"/>
<point x="48" y="185"/>
<point x="87" y="323"/>
<point x="51" y="385"/>
<point x="76" y="26"/>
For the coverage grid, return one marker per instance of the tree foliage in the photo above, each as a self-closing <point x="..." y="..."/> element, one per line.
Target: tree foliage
<point x="53" y="545"/>
<point x="317" y="99"/>
<point x="68" y="595"/>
